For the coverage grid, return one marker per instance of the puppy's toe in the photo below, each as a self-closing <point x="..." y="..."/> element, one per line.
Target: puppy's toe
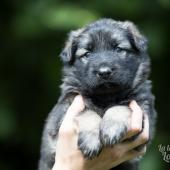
<point x="111" y="133"/>
<point x="114" y="124"/>
<point x="89" y="143"/>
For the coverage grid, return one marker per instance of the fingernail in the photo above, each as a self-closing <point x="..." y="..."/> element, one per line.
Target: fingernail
<point x="132" y="103"/>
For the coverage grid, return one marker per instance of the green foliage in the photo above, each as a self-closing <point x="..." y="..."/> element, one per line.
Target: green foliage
<point x="33" y="34"/>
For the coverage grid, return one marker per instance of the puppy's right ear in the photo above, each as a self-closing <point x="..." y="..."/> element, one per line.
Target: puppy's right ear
<point x="140" y="40"/>
<point x="67" y="55"/>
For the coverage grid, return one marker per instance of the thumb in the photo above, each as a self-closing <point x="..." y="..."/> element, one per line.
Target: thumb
<point x="76" y="107"/>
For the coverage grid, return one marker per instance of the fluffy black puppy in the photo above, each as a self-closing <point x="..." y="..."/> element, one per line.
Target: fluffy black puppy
<point x="107" y="63"/>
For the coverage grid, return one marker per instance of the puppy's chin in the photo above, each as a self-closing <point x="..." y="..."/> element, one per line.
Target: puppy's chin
<point x="105" y="88"/>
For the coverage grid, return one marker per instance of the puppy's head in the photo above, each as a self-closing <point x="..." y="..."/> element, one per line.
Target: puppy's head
<point x="106" y="56"/>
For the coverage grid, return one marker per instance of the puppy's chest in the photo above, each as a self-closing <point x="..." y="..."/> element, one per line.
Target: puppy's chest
<point x="100" y="106"/>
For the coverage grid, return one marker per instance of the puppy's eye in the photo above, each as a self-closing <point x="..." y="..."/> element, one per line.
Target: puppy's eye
<point x="119" y="49"/>
<point x="125" y="50"/>
<point x="86" y="55"/>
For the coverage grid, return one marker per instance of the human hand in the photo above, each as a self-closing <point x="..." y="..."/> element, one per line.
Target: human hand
<point x="69" y="157"/>
<point x="125" y="150"/>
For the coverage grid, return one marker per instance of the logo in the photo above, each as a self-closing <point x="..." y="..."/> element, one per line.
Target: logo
<point x="165" y="151"/>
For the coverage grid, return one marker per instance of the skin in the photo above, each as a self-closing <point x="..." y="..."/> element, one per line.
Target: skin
<point x="69" y="157"/>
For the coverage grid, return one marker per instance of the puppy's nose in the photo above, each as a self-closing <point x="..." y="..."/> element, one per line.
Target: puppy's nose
<point x="104" y="72"/>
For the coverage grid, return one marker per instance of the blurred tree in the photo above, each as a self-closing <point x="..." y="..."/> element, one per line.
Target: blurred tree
<point x="32" y="35"/>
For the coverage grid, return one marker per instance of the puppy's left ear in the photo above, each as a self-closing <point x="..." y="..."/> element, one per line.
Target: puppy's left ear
<point x="67" y="55"/>
<point x="140" y="40"/>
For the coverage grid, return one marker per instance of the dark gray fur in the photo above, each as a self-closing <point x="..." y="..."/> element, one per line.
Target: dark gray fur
<point x="119" y="47"/>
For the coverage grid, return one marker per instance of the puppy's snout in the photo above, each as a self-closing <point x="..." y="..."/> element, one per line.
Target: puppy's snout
<point x="104" y="72"/>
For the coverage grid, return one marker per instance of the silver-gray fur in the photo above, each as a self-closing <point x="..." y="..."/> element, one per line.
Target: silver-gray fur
<point x="107" y="63"/>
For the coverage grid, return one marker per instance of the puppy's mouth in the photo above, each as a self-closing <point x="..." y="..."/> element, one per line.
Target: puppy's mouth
<point x="107" y="88"/>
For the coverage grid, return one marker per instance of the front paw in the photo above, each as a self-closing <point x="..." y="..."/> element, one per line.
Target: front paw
<point x="89" y="143"/>
<point x="114" y="125"/>
<point x="112" y="132"/>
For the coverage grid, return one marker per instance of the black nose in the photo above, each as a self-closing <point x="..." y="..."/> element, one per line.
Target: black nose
<point x="104" y="72"/>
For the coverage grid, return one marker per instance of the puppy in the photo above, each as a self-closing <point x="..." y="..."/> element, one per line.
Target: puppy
<point x="107" y="63"/>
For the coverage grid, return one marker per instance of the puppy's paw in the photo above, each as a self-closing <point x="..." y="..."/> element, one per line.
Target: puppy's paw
<point x="89" y="143"/>
<point x="112" y="132"/>
<point x="114" y="125"/>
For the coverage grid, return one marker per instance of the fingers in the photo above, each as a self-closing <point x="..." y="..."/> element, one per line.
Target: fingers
<point x="67" y="154"/>
<point x="142" y="138"/>
<point x="76" y="107"/>
<point x="133" y="153"/>
<point x="136" y="120"/>
<point x="68" y="132"/>
<point x="119" y="154"/>
<point x="139" y="134"/>
<point x="69" y="121"/>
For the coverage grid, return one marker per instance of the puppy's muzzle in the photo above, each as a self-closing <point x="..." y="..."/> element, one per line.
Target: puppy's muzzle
<point x="104" y="72"/>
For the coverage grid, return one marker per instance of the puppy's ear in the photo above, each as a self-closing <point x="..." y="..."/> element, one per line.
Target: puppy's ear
<point x="139" y="40"/>
<point x="67" y="55"/>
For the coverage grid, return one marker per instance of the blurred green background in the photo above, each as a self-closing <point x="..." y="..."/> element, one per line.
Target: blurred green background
<point x="32" y="34"/>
